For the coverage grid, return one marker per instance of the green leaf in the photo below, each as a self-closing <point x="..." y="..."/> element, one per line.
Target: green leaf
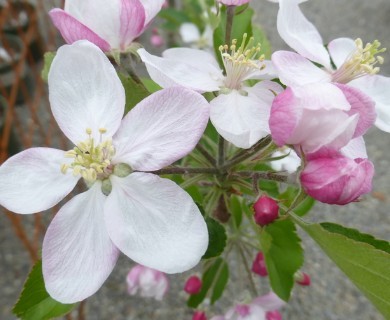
<point x="135" y="92"/>
<point x="35" y="303"/>
<point x="236" y="209"/>
<point x="288" y="198"/>
<point x="283" y="254"/>
<point x="215" y="279"/>
<point x="217" y="239"/>
<point x="364" y="259"/>
<point x="260" y="37"/>
<point x="48" y="59"/>
<point x="222" y="279"/>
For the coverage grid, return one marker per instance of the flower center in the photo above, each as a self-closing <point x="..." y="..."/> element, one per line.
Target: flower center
<point x="241" y="63"/>
<point x="361" y="62"/>
<point x="92" y="161"/>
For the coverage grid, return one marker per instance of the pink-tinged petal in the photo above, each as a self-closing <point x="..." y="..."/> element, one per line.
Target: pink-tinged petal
<point x="269" y="302"/>
<point x="73" y="30"/>
<point x="168" y="72"/>
<point x="101" y="16"/>
<point x="85" y="92"/>
<point x="362" y="105"/>
<point x="161" y="129"/>
<point x="241" y="120"/>
<point x="31" y="181"/>
<point x="355" y="149"/>
<point x="152" y="8"/>
<point x="377" y="88"/>
<point x="132" y="21"/>
<point x="337" y="180"/>
<point x="155" y="223"/>
<point x="340" y="49"/>
<point x="77" y="253"/>
<point x="300" y="34"/>
<point x="295" y="70"/>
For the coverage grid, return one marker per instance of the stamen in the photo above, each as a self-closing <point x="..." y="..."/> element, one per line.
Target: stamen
<point x="242" y="62"/>
<point x="361" y="62"/>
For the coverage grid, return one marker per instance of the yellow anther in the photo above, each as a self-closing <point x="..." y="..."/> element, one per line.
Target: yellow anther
<point x="102" y="130"/>
<point x="64" y="168"/>
<point x="88" y="131"/>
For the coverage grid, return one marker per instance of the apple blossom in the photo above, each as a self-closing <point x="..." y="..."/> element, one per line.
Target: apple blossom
<point x="239" y="113"/>
<point x="199" y="315"/>
<point x="111" y="25"/>
<point x="356" y="64"/>
<point x="290" y="161"/>
<point x="149" y="283"/>
<point x="266" y="210"/>
<point x="148" y="218"/>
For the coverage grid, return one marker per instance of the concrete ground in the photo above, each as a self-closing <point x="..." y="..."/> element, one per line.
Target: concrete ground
<point x="331" y="295"/>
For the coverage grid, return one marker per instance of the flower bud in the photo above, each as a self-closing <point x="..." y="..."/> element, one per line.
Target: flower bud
<point x="193" y="285"/>
<point x="149" y="283"/>
<point x="302" y="278"/>
<point x="273" y="315"/>
<point x="266" y="210"/>
<point x="156" y="40"/>
<point x="258" y="265"/>
<point x="199" y="315"/>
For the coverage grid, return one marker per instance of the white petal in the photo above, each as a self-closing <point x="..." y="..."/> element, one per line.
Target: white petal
<point x="152" y="8"/>
<point x="85" y="92"/>
<point x="268" y="73"/>
<point x="32" y="181"/>
<point x="355" y="149"/>
<point x="155" y="223"/>
<point x="241" y="120"/>
<point x="340" y="49"/>
<point x="77" y="253"/>
<point x="377" y="88"/>
<point x="101" y="16"/>
<point x="168" y="72"/>
<point x="189" y="32"/>
<point x="295" y="70"/>
<point x="300" y="34"/>
<point x="161" y="129"/>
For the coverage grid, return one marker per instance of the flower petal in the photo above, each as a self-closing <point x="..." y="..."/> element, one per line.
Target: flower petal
<point x="300" y="34"/>
<point x="355" y="149"/>
<point x="132" y="19"/>
<point x="241" y="120"/>
<point x="152" y="8"/>
<point x="168" y="72"/>
<point x="77" y="253"/>
<point x="377" y="88"/>
<point x="155" y="223"/>
<point x="101" y="16"/>
<point x="340" y="49"/>
<point x="269" y="302"/>
<point x="295" y="70"/>
<point x="362" y="105"/>
<point x="31" y="181"/>
<point x="85" y="92"/>
<point x="189" y="32"/>
<point x="73" y="30"/>
<point x="161" y="129"/>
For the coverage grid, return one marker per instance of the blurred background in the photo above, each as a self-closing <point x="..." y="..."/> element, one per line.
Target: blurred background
<point x="26" y="33"/>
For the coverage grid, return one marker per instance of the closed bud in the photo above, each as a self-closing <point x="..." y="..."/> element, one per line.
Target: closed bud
<point x="258" y="265"/>
<point x="266" y="210"/>
<point x="302" y="278"/>
<point x="193" y="285"/>
<point x="273" y="315"/>
<point x="199" y="315"/>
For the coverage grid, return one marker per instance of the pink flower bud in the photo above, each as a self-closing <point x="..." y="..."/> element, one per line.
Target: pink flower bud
<point x="233" y="2"/>
<point x="337" y="179"/>
<point x="199" y="315"/>
<point x="258" y="265"/>
<point x="149" y="283"/>
<point x="193" y="285"/>
<point x="273" y="315"/>
<point x="156" y="40"/>
<point x="266" y="210"/>
<point x="302" y="278"/>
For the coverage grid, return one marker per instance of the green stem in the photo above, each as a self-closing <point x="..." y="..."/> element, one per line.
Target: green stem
<point x="206" y="154"/>
<point x="229" y="23"/>
<point x="182" y="170"/>
<point x="248" y="270"/>
<point x="263" y="175"/>
<point x="221" y="151"/>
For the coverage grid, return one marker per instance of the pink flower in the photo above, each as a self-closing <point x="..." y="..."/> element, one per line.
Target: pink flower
<point x="193" y="285"/>
<point x="320" y="116"/>
<point x="356" y="64"/>
<point x="150" y="219"/>
<point x="258" y="265"/>
<point x="199" y="315"/>
<point x="111" y="25"/>
<point x="337" y="179"/>
<point x="266" y="210"/>
<point x="156" y="40"/>
<point x="234" y="2"/>
<point x="149" y="283"/>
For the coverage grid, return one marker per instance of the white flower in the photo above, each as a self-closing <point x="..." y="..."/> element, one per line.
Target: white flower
<point x="240" y="113"/>
<point x="148" y="218"/>
<point x="289" y="163"/>
<point x="190" y="34"/>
